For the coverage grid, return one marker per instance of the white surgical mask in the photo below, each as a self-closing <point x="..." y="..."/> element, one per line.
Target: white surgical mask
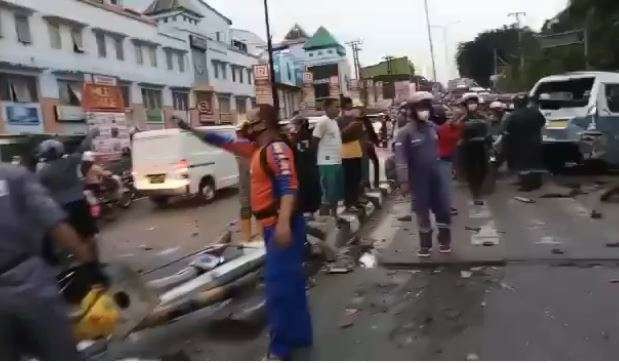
<point x="423" y="115"/>
<point x="472" y="107"/>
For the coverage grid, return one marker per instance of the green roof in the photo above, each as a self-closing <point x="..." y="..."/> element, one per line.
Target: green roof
<point x="399" y="66"/>
<point x="322" y="39"/>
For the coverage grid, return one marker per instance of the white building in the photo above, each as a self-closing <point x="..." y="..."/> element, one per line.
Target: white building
<point x="166" y="62"/>
<point x="47" y="46"/>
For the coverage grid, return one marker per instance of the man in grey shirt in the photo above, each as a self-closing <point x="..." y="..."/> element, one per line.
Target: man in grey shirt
<point x="33" y="315"/>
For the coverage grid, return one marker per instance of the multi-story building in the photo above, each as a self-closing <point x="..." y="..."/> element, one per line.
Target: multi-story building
<point x="167" y="60"/>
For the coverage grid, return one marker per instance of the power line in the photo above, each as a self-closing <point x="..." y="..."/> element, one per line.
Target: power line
<point x="355" y="46"/>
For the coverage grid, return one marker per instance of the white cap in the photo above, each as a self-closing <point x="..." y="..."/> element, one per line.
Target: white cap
<point x="420" y="97"/>
<point x="88" y="156"/>
<point x="497" y="105"/>
<point x="469" y="96"/>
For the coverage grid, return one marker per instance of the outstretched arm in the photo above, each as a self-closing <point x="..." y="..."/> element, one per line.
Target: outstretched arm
<point x="238" y="146"/>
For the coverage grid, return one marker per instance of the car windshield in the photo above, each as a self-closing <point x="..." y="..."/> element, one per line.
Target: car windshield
<point x="562" y="94"/>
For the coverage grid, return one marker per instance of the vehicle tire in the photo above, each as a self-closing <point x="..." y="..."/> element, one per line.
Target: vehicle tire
<point x="206" y="191"/>
<point x="125" y="200"/>
<point x="160" y="201"/>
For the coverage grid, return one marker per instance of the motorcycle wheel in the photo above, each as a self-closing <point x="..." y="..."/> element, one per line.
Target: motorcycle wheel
<point x="125" y="200"/>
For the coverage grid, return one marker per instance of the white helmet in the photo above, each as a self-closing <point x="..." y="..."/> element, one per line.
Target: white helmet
<point x="88" y="156"/>
<point x="469" y="96"/>
<point x="420" y="96"/>
<point x="497" y="105"/>
<point x="50" y="149"/>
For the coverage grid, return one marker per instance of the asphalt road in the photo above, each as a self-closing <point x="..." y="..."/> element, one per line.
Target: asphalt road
<point x="536" y="305"/>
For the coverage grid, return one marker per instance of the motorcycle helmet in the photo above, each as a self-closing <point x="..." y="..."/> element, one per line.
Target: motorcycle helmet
<point x="50" y="150"/>
<point x="88" y="156"/>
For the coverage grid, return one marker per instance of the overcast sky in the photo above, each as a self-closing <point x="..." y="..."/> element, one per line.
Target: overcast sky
<point x="389" y="27"/>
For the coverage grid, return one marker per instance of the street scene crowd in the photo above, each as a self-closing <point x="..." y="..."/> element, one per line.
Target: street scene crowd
<point x="445" y="161"/>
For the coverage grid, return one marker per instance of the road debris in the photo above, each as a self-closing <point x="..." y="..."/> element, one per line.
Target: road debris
<point x="472" y="356"/>
<point x="483" y="304"/>
<point x="596" y="215"/>
<point x="466" y="274"/>
<point x="524" y="200"/>
<point x="472" y="229"/>
<point x="195" y="234"/>
<point x="151" y="228"/>
<point x="506" y="286"/>
<point x="368" y="260"/>
<point x="339" y="270"/>
<point x="145" y="247"/>
<point x="556" y="195"/>
<point x="349" y="318"/>
<point x="548" y="240"/>
<point x="557" y="251"/>
<point x="406" y="218"/>
<point x="477" y="268"/>
<point x="614" y="281"/>
<point x="452" y="314"/>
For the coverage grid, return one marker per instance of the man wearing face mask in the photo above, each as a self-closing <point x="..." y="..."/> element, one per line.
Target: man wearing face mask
<point x="418" y="170"/>
<point x="474" y="146"/>
<point x="274" y="186"/>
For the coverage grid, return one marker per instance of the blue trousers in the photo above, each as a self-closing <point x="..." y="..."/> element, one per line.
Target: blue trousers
<point x="287" y="308"/>
<point x="431" y="193"/>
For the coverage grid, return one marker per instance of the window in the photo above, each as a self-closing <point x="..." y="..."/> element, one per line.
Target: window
<point x="168" y="59"/>
<point x="18" y="88"/>
<point x="612" y="97"/>
<point x="180" y="100"/>
<point x="561" y="94"/>
<point x="101" y="49"/>
<point x="70" y="92"/>
<point x="288" y="71"/>
<point x="319" y="52"/>
<point x="224" y="71"/>
<point x="330" y="51"/>
<point x="119" y="46"/>
<point x="54" y="35"/>
<point x="215" y="69"/>
<point x="233" y="69"/>
<point x="241" y="75"/>
<point x="152" y="104"/>
<point x="241" y="105"/>
<point x="126" y="92"/>
<point x="181" y="62"/>
<point x="22" y="27"/>
<point x="152" y="55"/>
<point x="165" y="20"/>
<point x="139" y="54"/>
<point x="76" y="38"/>
<point x="311" y="54"/>
<point x="224" y="104"/>
<point x="218" y="36"/>
<point x="249" y="76"/>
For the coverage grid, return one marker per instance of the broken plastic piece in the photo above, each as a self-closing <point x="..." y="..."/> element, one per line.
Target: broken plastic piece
<point x="368" y="260"/>
<point x="465" y="274"/>
<point x="524" y="200"/>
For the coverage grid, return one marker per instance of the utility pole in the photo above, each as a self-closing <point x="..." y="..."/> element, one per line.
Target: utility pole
<point x="445" y="29"/>
<point x="270" y="50"/>
<point x="388" y="58"/>
<point x="517" y="16"/>
<point x="430" y="39"/>
<point x="355" y="46"/>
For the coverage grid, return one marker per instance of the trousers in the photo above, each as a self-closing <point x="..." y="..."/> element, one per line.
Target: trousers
<point x="288" y="314"/>
<point x="431" y="194"/>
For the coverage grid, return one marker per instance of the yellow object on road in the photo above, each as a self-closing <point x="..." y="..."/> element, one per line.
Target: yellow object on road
<point x="99" y="316"/>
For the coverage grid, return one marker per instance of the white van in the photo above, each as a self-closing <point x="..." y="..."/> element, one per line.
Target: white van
<point x="173" y="162"/>
<point x="582" y="116"/>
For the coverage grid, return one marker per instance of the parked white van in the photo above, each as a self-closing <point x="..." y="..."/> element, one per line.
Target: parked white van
<point x="582" y="116"/>
<point x="173" y="162"/>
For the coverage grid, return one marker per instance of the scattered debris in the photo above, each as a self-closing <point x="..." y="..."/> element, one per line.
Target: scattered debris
<point x="524" y="200"/>
<point x="557" y="251"/>
<point x="195" y="234"/>
<point x="472" y="356"/>
<point x="548" y="240"/>
<point x="437" y="270"/>
<point x="368" y="260"/>
<point x="477" y="268"/>
<point x="596" y="215"/>
<point x="349" y="318"/>
<point x="339" y="270"/>
<point x="556" y="195"/>
<point x="483" y="304"/>
<point x="406" y="218"/>
<point x="506" y="286"/>
<point x="489" y="243"/>
<point x="472" y="229"/>
<point x="465" y="274"/>
<point x="150" y="228"/>
<point x="452" y="314"/>
<point x="615" y="281"/>
<point x="145" y="247"/>
<point x="613" y="245"/>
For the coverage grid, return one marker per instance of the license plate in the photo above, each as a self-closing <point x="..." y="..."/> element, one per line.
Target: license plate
<point x="157" y="179"/>
<point x="557" y="125"/>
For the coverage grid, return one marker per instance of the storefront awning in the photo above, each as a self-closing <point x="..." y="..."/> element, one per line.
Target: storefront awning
<point x="20" y="67"/>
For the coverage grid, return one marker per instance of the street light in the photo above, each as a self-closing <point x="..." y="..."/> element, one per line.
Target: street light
<point x="270" y="50"/>
<point x="445" y="29"/>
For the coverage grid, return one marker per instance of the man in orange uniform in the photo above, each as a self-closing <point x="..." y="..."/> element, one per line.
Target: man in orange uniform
<point x="274" y="185"/>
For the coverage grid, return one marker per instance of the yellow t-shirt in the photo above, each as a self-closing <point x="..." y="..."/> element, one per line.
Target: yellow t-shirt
<point x="351" y="150"/>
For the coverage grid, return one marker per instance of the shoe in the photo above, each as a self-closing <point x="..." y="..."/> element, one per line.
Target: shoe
<point x="424" y="252"/>
<point x="444" y="249"/>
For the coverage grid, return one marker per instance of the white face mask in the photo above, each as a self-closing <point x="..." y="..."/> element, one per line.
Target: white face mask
<point x="423" y="115"/>
<point x="472" y="107"/>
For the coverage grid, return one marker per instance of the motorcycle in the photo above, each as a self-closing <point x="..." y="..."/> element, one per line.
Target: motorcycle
<point x="112" y="193"/>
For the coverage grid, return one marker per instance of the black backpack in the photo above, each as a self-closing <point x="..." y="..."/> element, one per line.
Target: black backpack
<point x="309" y="192"/>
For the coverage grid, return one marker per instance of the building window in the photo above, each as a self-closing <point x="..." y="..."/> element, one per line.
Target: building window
<point x="330" y="51"/>
<point x="241" y="75"/>
<point x="224" y="71"/>
<point x="165" y="20"/>
<point x="101" y="49"/>
<point x="224" y="104"/>
<point x="249" y="76"/>
<point x="180" y="99"/>
<point x="120" y="51"/>
<point x="22" y="27"/>
<point x="54" y="35"/>
<point x="215" y="69"/>
<point x="76" y="38"/>
<point x="152" y="55"/>
<point x="612" y="97"/>
<point x="152" y="104"/>
<point x="218" y="36"/>
<point x="139" y="54"/>
<point x="241" y="105"/>
<point x="311" y="54"/>
<point x="70" y="93"/>
<point x="169" y="60"/>
<point x="126" y="92"/>
<point x="289" y="71"/>
<point x="18" y="88"/>
<point x="319" y="52"/>
<point x="181" y="62"/>
<point x="233" y="69"/>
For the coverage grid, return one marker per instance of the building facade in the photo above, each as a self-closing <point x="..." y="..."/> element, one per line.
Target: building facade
<point x="167" y="61"/>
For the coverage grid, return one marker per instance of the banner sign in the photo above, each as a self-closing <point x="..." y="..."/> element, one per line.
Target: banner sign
<point x="113" y="134"/>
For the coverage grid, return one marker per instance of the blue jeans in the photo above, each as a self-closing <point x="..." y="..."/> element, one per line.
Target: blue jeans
<point x="287" y="308"/>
